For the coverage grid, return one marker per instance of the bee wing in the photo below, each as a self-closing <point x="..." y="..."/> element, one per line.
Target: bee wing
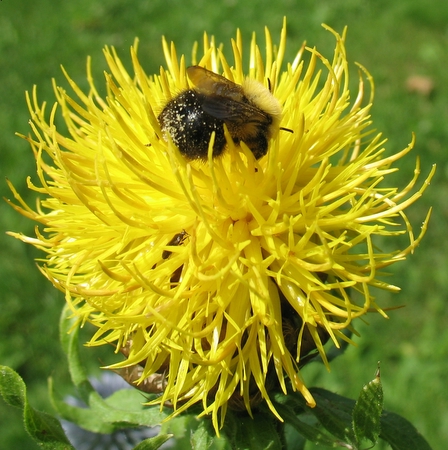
<point x="201" y="77"/>
<point x="229" y="110"/>
<point x="210" y="83"/>
<point x="222" y="98"/>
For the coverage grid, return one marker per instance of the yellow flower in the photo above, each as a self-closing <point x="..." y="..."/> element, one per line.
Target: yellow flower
<point x="213" y="276"/>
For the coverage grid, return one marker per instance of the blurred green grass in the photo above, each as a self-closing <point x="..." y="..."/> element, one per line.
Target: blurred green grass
<point x="393" y="39"/>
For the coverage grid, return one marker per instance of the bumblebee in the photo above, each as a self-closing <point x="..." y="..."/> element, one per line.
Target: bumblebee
<point x="249" y="111"/>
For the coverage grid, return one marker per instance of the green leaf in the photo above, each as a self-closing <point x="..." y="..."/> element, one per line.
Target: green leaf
<point x="68" y="335"/>
<point x="43" y="428"/>
<point x="292" y="438"/>
<point x="258" y="433"/>
<point x="305" y="424"/>
<point x="400" y="434"/>
<point x="368" y="410"/>
<point x="123" y="409"/>
<point x="12" y="387"/>
<point x="183" y="426"/>
<point x="204" y="436"/>
<point x="153" y="443"/>
<point x="334" y="412"/>
<point x="103" y="417"/>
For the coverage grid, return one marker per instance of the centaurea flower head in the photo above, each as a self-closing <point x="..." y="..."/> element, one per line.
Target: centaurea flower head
<point x="214" y="277"/>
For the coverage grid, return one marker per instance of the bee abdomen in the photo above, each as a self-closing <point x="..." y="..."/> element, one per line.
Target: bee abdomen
<point x="190" y="127"/>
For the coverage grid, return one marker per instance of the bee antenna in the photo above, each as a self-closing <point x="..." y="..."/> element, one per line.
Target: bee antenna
<point x="287" y="129"/>
<point x="269" y="86"/>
